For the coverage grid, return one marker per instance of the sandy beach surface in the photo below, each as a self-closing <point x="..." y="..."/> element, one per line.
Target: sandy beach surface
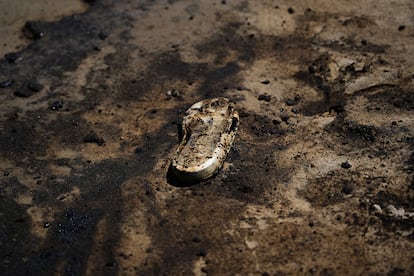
<point x="320" y="178"/>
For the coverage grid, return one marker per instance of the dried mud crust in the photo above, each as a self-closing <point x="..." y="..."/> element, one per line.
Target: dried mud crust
<point x="319" y="180"/>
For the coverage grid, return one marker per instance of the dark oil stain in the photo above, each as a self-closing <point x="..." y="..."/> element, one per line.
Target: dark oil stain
<point x="227" y="42"/>
<point x="391" y="97"/>
<point x="177" y="226"/>
<point x="71" y="235"/>
<point x="191" y="224"/>
<point x="32" y="30"/>
<point x="70" y="129"/>
<point x="316" y="76"/>
<point x="352" y="132"/>
<point x="20" y="138"/>
<point x="169" y="66"/>
<point x="262" y="126"/>
<point x="58" y="46"/>
<point x="219" y="79"/>
<point x="329" y="190"/>
<point x="344" y="44"/>
<point x="15" y="236"/>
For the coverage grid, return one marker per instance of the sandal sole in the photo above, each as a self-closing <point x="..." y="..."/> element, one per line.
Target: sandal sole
<point x="208" y="128"/>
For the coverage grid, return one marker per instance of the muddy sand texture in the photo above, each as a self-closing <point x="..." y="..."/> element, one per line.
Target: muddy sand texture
<point x="320" y="179"/>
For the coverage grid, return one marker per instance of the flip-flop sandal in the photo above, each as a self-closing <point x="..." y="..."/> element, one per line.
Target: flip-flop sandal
<point x="208" y="129"/>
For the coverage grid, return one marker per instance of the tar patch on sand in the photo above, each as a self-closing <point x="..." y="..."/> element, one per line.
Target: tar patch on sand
<point x="320" y="177"/>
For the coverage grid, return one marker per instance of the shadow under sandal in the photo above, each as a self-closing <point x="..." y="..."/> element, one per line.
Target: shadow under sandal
<point x="209" y="128"/>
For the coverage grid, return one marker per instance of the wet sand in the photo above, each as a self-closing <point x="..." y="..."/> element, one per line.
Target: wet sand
<point x="319" y="181"/>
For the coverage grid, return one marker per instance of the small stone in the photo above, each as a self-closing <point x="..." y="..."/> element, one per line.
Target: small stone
<point x="347" y="189"/>
<point x="56" y="105"/>
<point x="290" y="102"/>
<point x="202" y="253"/>
<point x="265" y="82"/>
<point x="23" y="93"/>
<point x="35" y="86"/>
<point x="46" y="225"/>
<point x="6" y="83"/>
<point x="291" y="10"/>
<point x="196" y="239"/>
<point x="312" y="69"/>
<point x="284" y="118"/>
<point x="102" y="35"/>
<point x="6" y="173"/>
<point x="173" y="93"/>
<point x="93" y="138"/>
<point x="264" y="97"/>
<point x="112" y="264"/>
<point x="401" y="28"/>
<point x="346" y="165"/>
<point x="377" y="208"/>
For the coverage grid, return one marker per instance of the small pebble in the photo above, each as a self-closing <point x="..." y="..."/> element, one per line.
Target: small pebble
<point x="56" y="105"/>
<point x="93" y="138"/>
<point x="23" y="93"/>
<point x="290" y="102"/>
<point x="284" y="118"/>
<point x="196" y="239"/>
<point x="35" y="86"/>
<point x="173" y="93"/>
<point x="401" y="28"/>
<point x="346" y="165"/>
<point x="377" y="208"/>
<point x="6" y="83"/>
<point x="312" y="69"/>
<point x="202" y="253"/>
<point x="264" y="97"/>
<point x="266" y="82"/>
<point x="112" y="264"/>
<point x="291" y="10"/>
<point x="347" y="189"/>
<point x="6" y="173"/>
<point x="102" y="35"/>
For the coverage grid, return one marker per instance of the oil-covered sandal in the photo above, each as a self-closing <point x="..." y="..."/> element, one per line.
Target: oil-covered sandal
<point x="208" y="129"/>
